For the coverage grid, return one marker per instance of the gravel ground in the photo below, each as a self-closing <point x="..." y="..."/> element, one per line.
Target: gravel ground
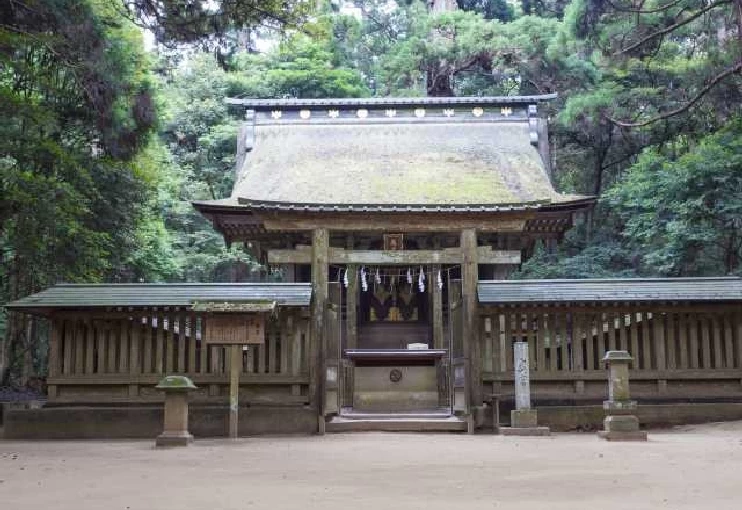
<point x="685" y="468"/>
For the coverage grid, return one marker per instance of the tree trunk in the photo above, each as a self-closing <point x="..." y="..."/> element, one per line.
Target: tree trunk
<point x="439" y="84"/>
<point x="4" y="342"/>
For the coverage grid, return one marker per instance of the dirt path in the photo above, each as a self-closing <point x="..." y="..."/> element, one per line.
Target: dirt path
<point x="687" y="468"/>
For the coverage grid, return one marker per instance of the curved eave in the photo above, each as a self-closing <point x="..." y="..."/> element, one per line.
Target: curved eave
<point x="212" y="207"/>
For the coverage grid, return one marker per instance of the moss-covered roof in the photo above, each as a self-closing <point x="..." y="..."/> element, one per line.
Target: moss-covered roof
<point x="395" y="163"/>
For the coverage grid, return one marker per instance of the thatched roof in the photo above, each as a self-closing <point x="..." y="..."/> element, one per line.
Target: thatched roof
<point x="431" y="154"/>
<point x="420" y="164"/>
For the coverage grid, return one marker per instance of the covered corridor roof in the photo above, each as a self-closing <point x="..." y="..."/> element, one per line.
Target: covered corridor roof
<point x="495" y="292"/>
<point x="75" y="296"/>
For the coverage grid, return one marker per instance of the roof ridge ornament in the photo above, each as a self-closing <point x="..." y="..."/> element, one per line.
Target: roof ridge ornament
<point x="249" y="133"/>
<point x="533" y="124"/>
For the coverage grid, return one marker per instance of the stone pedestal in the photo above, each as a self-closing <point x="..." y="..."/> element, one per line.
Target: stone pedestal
<point x="175" y="430"/>
<point x="620" y="423"/>
<point x="521" y="418"/>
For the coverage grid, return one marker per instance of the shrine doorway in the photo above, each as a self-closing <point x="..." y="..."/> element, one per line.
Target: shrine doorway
<point x="394" y="312"/>
<point x="392" y="358"/>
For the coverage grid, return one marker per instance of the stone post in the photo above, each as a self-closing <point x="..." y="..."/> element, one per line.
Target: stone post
<point x="522" y="379"/>
<point x="523" y="419"/>
<point x="620" y="423"/>
<point x="175" y="431"/>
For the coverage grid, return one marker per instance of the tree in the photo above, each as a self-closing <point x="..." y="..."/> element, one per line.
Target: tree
<point x="190" y="21"/>
<point x="685" y="213"/>
<point x="656" y="42"/>
<point x="299" y="67"/>
<point x="76" y="100"/>
<point x="490" y="9"/>
<point x="196" y="161"/>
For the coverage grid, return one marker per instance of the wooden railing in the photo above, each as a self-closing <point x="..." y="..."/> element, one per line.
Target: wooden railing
<point x="683" y="343"/>
<point x="104" y="356"/>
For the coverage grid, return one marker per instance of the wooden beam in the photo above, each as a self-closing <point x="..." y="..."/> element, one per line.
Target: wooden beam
<point x="389" y="222"/>
<point x="485" y="255"/>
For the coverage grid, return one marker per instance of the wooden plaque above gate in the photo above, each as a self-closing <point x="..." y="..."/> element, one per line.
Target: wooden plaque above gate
<point x="235" y="329"/>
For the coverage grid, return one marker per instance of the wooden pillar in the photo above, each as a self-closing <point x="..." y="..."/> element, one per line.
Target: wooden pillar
<point x="345" y="366"/>
<point x="320" y="275"/>
<point x="469" y="279"/>
<point x="351" y="318"/>
<point x="437" y="308"/>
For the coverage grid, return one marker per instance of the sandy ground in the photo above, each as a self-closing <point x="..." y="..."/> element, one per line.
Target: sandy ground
<point x="691" y="467"/>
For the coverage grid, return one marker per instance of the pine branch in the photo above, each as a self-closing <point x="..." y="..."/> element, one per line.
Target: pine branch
<point x="639" y="10"/>
<point x="674" y="26"/>
<point x="701" y="93"/>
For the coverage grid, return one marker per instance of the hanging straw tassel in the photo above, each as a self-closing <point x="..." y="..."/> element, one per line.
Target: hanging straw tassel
<point x="409" y="276"/>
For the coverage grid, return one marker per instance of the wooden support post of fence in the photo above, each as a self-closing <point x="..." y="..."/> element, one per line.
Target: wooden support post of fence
<point x="55" y="339"/>
<point x="235" y="366"/>
<point x="134" y="362"/>
<point x="659" y="340"/>
<point x="295" y="329"/>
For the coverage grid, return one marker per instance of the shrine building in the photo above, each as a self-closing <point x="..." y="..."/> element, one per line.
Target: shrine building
<point x="394" y="224"/>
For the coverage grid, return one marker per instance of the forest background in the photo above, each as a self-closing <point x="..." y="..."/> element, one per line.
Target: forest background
<point x="104" y="144"/>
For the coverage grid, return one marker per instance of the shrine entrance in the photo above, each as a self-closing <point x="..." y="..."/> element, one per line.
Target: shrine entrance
<point x="393" y="331"/>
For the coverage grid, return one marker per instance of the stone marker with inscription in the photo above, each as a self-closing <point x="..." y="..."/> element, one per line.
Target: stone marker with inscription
<point x="523" y="419"/>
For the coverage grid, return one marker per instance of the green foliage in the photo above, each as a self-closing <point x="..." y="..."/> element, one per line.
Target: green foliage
<point x="77" y="108"/>
<point x="685" y="213"/>
<point x="188" y="21"/>
<point x="491" y="9"/>
<point x="300" y="67"/>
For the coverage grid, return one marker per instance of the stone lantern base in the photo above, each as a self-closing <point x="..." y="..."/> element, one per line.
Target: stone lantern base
<point x="174" y="439"/>
<point x="175" y="431"/>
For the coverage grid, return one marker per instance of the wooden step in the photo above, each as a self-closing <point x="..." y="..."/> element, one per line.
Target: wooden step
<point x="364" y="414"/>
<point x="396" y="423"/>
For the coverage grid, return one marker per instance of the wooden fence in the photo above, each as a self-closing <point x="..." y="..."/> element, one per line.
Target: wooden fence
<point x="121" y="355"/>
<point x="679" y="344"/>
